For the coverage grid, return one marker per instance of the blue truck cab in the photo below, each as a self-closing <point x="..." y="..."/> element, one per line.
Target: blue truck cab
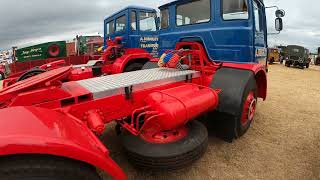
<point x="230" y="30"/>
<point x="136" y="25"/>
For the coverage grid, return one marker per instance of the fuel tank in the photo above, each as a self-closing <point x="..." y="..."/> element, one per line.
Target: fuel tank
<point x="178" y="105"/>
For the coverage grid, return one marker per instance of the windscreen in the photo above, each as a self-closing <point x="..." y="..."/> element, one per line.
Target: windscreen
<point x="235" y="9"/>
<point x="147" y="21"/>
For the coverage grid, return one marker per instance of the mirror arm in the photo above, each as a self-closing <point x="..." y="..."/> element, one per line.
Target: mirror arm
<point x="274" y="33"/>
<point x="272" y="7"/>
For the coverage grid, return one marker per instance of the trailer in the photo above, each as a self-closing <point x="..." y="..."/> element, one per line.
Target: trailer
<point x="53" y="127"/>
<point x="126" y="49"/>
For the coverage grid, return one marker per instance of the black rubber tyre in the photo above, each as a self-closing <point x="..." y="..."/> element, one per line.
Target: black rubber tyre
<point x="288" y="64"/>
<point x="170" y="156"/>
<point x="307" y="65"/>
<point x="41" y="167"/>
<point x="133" y="67"/>
<point x="150" y="65"/>
<point x="225" y="121"/>
<point x="271" y="61"/>
<point x="30" y="73"/>
<point x="2" y="76"/>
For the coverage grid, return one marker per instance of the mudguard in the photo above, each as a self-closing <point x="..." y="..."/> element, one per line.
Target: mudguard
<point x="232" y="83"/>
<point x="32" y="130"/>
<point x="259" y="72"/>
<point x="130" y="55"/>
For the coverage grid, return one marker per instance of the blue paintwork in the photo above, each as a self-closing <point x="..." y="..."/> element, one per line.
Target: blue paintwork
<point x="133" y="38"/>
<point x="224" y="40"/>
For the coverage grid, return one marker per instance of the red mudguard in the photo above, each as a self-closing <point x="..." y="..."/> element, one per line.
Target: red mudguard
<point x="32" y="130"/>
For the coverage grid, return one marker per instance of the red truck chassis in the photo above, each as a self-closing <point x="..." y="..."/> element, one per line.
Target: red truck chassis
<point x="115" y="59"/>
<point x="155" y="107"/>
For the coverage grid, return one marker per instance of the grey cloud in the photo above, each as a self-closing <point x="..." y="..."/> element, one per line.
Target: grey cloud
<point x="34" y="21"/>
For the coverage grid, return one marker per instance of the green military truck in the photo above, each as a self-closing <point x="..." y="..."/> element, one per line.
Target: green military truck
<point x="297" y="56"/>
<point x="317" y="59"/>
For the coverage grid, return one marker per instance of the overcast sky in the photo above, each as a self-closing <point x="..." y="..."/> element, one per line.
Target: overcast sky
<point x="26" y="22"/>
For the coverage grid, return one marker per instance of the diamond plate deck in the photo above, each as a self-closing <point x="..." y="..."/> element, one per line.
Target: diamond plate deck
<point x="115" y="84"/>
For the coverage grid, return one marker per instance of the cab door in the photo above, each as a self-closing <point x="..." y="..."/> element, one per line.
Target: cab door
<point x="144" y="31"/>
<point x="259" y="30"/>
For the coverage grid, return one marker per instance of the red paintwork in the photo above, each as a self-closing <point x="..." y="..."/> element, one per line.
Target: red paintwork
<point x="132" y="54"/>
<point x="249" y="108"/>
<point x="49" y="66"/>
<point x="71" y="108"/>
<point x="260" y="75"/>
<point x="19" y="67"/>
<point x="166" y="136"/>
<point x="178" y="105"/>
<point x="53" y="133"/>
<point x="80" y="73"/>
<point x="109" y="65"/>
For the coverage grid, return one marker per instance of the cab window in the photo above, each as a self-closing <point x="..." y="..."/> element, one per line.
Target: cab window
<point x="235" y="9"/>
<point x="121" y="23"/>
<point x="133" y="20"/>
<point x="257" y="16"/>
<point x="164" y="18"/>
<point x="147" y="21"/>
<point x="195" y="12"/>
<point x="110" y="27"/>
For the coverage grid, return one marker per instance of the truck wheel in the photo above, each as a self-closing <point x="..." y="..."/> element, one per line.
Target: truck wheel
<point x="30" y="73"/>
<point x="167" y="156"/>
<point x="237" y="103"/>
<point x="133" y="67"/>
<point x="150" y="65"/>
<point x="2" y="76"/>
<point x="248" y="107"/>
<point x="37" y="167"/>
<point x="307" y="65"/>
<point x="288" y="64"/>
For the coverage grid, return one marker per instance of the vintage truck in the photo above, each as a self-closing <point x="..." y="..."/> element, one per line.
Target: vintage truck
<point x="297" y="56"/>
<point x="273" y="55"/>
<point x="214" y="54"/>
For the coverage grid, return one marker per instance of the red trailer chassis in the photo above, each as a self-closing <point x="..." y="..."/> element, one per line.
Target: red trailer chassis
<point x="63" y="119"/>
<point x="114" y="60"/>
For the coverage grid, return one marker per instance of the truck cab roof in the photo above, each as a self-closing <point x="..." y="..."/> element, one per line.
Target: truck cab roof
<point x="128" y="8"/>
<point x="181" y="2"/>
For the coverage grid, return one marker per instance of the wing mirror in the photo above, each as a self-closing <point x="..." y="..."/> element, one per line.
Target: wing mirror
<point x="280" y="13"/>
<point x="278" y="24"/>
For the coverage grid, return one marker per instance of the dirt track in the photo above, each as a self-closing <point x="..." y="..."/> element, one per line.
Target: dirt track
<point x="283" y="143"/>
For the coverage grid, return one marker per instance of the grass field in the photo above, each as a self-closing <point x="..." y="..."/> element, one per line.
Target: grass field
<point x="283" y="142"/>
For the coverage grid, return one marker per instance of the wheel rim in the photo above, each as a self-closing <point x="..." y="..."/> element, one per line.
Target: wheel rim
<point x="165" y="136"/>
<point x="249" y="109"/>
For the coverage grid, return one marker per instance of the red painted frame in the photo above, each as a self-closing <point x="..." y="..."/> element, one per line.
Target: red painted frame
<point x="46" y="97"/>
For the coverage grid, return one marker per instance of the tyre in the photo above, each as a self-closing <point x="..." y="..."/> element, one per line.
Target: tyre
<point x="150" y="65"/>
<point x="307" y="65"/>
<point x="271" y="61"/>
<point x="54" y="50"/>
<point x="2" y="76"/>
<point x="133" y="67"/>
<point x="30" y="73"/>
<point x="167" y="156"/>
<point x="38" y="167"/>
<point x="237" y="103"/>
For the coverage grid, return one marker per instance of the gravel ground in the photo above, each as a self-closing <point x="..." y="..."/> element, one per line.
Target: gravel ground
<point x="283" y="142"/>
